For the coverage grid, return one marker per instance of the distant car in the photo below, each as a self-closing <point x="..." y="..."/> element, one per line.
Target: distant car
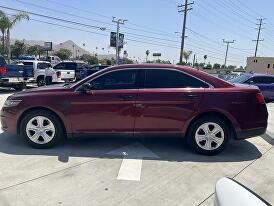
<point x="71" y="70"/>
<point x="95" y="68"/>
<point x="139" y="99"/>
<point x="15" y="76"/>
<point x="264" y="82"/>
<point x="229" y="76"/>
<point x="39" y="71"/>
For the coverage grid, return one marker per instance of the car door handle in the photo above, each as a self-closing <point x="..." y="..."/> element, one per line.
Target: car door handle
<point x="125" y="97"/>
<point x="68" y="72"/>
<point x="191" y="96"/>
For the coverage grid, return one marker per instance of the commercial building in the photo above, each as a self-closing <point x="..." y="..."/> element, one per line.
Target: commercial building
<point x="263" y="65"/>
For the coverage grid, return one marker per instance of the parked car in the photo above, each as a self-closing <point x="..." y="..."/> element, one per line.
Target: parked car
<point x="230" y="76"/>
<point x="91" y="70"/>
<point x="230" y="192"/>
<point x="39" y="72"/>
<point x="70" y="71"/>
<point x="139" y="99"/>
<point x="14" y="76"/>
<point x="264" y="82"/>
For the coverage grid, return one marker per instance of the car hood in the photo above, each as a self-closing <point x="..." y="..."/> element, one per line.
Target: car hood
<point x="40" y="90"/>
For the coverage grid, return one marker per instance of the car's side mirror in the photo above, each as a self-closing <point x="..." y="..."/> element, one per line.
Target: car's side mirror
<point x="230" y="192"/>
<point x="85" y="88"/>
<point x="251" y="82"/>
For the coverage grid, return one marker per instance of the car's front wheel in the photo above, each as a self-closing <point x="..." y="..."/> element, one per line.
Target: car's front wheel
<point x="208" y="135"/>
<point x="41" y="129"/>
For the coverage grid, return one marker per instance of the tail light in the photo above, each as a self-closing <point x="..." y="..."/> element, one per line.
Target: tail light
<point x="58" y="74"/>
<point x="3" y="71"/>
<point x="260" y="98"/>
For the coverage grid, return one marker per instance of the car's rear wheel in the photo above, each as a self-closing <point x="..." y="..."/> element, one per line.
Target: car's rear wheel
<point x="208" y="135"/>
<point x="41" y="129"/>
<point x="40" y="81"/>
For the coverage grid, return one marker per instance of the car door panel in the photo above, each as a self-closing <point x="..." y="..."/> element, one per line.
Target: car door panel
<point x="103" y="111"/>
<point x="165" y="110"/>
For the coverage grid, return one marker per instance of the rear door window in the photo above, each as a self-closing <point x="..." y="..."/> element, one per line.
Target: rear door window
<point x="263" y="80"/>
<point x="43" y="65"/>
<point x="166" y="78"/>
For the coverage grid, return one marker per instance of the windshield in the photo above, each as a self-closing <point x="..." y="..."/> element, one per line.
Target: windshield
<point x="240" y="79"/>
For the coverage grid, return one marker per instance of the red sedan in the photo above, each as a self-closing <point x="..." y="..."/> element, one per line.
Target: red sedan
<point x="139" y="99"/>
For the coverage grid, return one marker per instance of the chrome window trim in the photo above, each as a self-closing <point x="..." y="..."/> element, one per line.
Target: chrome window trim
<point x="142" y="68"/>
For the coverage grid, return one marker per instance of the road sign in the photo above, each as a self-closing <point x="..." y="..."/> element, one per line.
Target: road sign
<point x="156" y="54"/>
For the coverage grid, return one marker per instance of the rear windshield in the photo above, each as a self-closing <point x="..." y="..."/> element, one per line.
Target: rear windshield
<point x="240" y="79"/>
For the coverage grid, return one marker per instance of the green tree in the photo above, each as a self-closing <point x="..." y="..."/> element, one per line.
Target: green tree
<point x="208" y="66"/>
<point x="216" y="66"/>
<point x="202" y="65"/>
<point x="90" y="59"/>
<point x="231" y="67"/>
<point x="18" y="48"/>
<point x="4" y="24"/>
<point x="10" y="22"/>
<point x="186" y="55"/>
<point x="128" y="61"/>
<point x="64" y="54"/>
<point x="223" y="67"/>
<point x="33" y="50"/>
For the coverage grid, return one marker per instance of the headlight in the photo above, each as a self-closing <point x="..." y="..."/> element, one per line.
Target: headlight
<point x="11" y="103"/>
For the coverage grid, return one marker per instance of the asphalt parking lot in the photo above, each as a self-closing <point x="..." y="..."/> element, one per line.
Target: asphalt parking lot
<point x="129" y="171"/>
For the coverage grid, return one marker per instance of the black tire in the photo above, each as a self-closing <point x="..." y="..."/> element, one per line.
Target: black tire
<point x="59" y="131"/>
<point x="190" y="138"/>
<point x="18" y="87"/>
<point x="40" y="81"/>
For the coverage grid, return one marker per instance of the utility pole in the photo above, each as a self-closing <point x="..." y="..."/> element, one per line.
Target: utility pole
<point x="184" y="8"/>
<point x="194" y="57"/>
<point x="118" y="22"/>
<point x="258" y="35"/>
<point x="227" y="44"/>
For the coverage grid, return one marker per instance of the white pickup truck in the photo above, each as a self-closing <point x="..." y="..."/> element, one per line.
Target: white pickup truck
<point x="39" y="72"/>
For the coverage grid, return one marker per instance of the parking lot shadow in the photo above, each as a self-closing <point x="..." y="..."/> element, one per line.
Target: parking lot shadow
<point x="167" y="149"/>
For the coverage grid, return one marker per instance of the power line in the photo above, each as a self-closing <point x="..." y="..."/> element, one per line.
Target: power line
<point x="55" y="18"/>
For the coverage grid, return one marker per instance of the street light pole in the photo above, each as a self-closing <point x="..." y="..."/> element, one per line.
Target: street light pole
<point x="118" y="22"/>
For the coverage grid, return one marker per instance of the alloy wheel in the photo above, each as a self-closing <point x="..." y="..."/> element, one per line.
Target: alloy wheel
<point x="40" y="130"/>
<point x="209" y="136"/>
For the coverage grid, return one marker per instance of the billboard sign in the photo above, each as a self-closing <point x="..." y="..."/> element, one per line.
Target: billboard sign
<point x="113" y="40"/>
<point x="156" y="54"/>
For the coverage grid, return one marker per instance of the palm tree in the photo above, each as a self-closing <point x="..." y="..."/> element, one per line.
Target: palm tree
<point x="186" y="55"/>
<point x="11" y="21"/>
<point x="147" y="53"/>
<point x="4" y="24"/>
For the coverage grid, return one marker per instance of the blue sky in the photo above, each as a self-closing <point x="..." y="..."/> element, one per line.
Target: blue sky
<point x="152" y="25"/>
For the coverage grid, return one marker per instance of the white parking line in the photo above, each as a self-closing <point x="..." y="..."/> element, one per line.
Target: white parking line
<point x="131" y="166"/>
<point x="130" y="170"/>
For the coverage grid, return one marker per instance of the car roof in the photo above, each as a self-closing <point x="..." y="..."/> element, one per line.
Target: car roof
<point x="38" y="61"/>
